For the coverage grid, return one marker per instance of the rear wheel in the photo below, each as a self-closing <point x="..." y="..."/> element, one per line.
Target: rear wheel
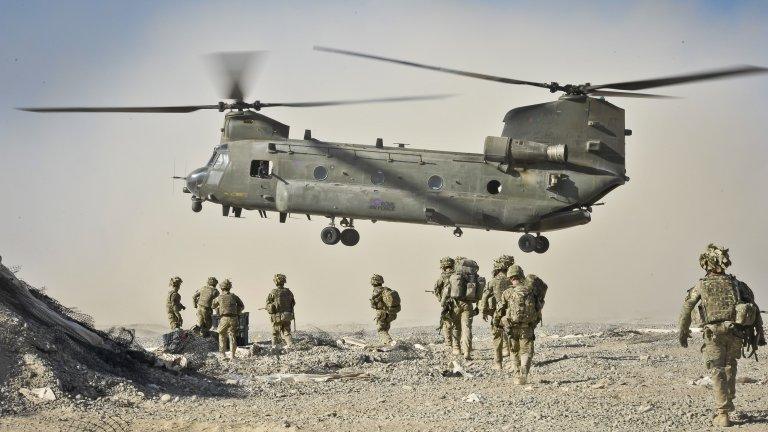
<point x="330" y="235"/>
<point x="542" y="244"/>
<point x="350" y="237"/>
<point x="527" y="243"/>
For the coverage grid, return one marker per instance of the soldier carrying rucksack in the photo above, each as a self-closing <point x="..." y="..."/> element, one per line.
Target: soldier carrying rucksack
<point x="386" y="304"/>
<point x="465" y="290"/>
<point x="280" y="306"/>
<point x="520" y="312"/>
<point x="731" y="321"/>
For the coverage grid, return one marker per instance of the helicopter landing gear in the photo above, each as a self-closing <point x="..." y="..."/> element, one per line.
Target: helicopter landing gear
<point x="458" y="232"/>
<point x="197" y="205"/>
<point x="350" y="237"/>
<point x="530" y="243"/>
<point x="330" y="235"/>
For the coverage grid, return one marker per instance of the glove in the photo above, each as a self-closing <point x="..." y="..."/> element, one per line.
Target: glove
<point x="683" y="338"/>
<point x="761" y="341"/>
<point x="475" y="311"/>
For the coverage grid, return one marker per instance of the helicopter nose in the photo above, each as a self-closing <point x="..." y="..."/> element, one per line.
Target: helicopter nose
<point x="196" y="179"/>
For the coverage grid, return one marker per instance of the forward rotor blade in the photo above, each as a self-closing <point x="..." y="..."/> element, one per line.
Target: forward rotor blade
<point x="156" y="109"/>
<point x="232" y="68"/>
<point x="628" y="94"/>
<point x="680" y="79"/>
<point x="353" y="101"/>
<point x="434" y="68"/>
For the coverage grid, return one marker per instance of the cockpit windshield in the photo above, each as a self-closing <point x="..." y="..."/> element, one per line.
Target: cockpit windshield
<point x="212" y="159"/>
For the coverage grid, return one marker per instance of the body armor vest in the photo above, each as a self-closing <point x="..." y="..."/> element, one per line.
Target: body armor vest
<point x="719" y="297"/>
<point x="228" y="304"/>
<point x="207" y="294"/>
<point x="521" y="305"/>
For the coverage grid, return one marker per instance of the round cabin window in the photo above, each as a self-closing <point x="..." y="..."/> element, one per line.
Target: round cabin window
<point x="378" y="177"/>
<point x="320" y="173"/>
<point x="494" y="187"/>
<point x="435" y="182"/>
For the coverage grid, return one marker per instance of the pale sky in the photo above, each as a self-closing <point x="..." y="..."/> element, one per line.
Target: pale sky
<point x="89" y="211"/>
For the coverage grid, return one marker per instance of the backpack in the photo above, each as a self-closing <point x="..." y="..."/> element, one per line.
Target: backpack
<point x="466" y="284"/>
<point x="391" y="300"/>
<point x="283" y="300"/>
<point x="719" y="296"/>
<point x="539" y="290"/>
<point x="521" y="307"/>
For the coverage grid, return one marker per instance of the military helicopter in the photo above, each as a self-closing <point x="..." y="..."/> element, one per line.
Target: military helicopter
<point x="550" y="165"/>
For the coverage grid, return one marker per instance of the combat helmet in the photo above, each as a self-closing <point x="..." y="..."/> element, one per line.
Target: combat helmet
<point x="377" y="280"/>
<point x="226" y="285"/>
<point x="515" y="271"/>
<point x="503" y="262"/>
<point x="175" y="282"/>
<point x="457" y="262"/>
<point x="446" y="262"/>
<point x="279" y="279"/>
<point x="715" y="259"/>
<point x="212" y="281"/>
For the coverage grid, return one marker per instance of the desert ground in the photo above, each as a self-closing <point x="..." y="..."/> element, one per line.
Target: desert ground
<point x="603" y="377"/>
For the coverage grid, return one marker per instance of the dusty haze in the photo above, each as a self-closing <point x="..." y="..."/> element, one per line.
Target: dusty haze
<point x="88" y="209"/>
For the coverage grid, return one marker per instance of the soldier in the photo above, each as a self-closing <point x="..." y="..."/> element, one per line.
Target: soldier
<point x="386" y="303"/>
<point x="488" y="303"/>
<point x="229" y="307"/>
<point x="519" y="314"/>
<point x="442" y="284"/>
<point x="459" y="307"/>
<point x="730" y="318"/>
<point x="173" y="304"/>
<point x="280" y="303"/>
<point x="203" y="300"/>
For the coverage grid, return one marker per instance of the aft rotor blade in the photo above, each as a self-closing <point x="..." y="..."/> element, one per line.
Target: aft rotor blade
<point x="232" y="68"/>
<point x="155" y="109"/>
<point x="680" y="79"/>
<point x="628" y="94"/>
<point x="353" y="101"/>
<point x="434" y="68"/>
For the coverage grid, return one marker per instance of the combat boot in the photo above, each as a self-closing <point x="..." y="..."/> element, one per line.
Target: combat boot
<point x="521" y="379"/>
<point x="456" y="350"/>
<point x="721" y="420"/>
<point x="497" y="366"/>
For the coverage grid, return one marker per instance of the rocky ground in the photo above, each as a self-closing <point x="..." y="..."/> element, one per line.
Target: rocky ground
<point x="621" y="377"/>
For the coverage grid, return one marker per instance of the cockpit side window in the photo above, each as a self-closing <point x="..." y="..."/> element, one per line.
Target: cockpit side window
<point x="212" y="159"/>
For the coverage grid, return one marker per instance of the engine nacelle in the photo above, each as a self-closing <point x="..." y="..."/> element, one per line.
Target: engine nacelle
<point x="507" y="150"/>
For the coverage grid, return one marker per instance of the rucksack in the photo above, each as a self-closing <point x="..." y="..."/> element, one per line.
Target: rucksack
<point x="719" y="297"/>
<point x="539" y="290"/>
<point x="521" y="307"/>
<point x="466" y="284"/>
<point x="391" y="299"/>
<point x="283" y="300"/>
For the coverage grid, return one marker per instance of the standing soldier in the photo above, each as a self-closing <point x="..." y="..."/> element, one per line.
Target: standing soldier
<point x="228" y="307"/>
<point x="203" y="300"/>
<point x="490" y="300"/>
<point x="441" y="287"/>
<point x="465" y="289"/>
<point x="280" y="303"/>
<point x="173" y="304"/>
<point x="519" y="312"/>
<point x="386" y="303"/>
<point x="730" y="318"/>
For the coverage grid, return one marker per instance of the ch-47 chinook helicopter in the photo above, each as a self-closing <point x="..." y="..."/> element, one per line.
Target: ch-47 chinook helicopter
<point x="550" y="165"/>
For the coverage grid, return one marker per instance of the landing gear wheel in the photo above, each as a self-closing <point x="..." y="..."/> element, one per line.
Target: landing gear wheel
<point x="542" y="244"/>
<point x="350" y="237"/>
<point x="458" y="232"/>
<point x="527" y="243"/>
<point x="330" y="235"/>
<point x="197" y="206"/>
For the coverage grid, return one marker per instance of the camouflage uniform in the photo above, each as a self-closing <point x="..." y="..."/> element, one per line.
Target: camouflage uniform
<point x="490" y="300"/>
<point x="280" y="304"/>
<point x="383" y="315"/>
<point x="173" y="304"/>
<point x="520" y="333"/>
<point x="203" y="300"/>
<point x="718" y="295"/>
<point x="460" y="314"/>
<point x="446" y="326"/>
<point x="229" y="307"/>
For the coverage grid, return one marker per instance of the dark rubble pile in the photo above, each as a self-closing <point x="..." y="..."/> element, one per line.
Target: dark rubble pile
<point x="51" y="354"/>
